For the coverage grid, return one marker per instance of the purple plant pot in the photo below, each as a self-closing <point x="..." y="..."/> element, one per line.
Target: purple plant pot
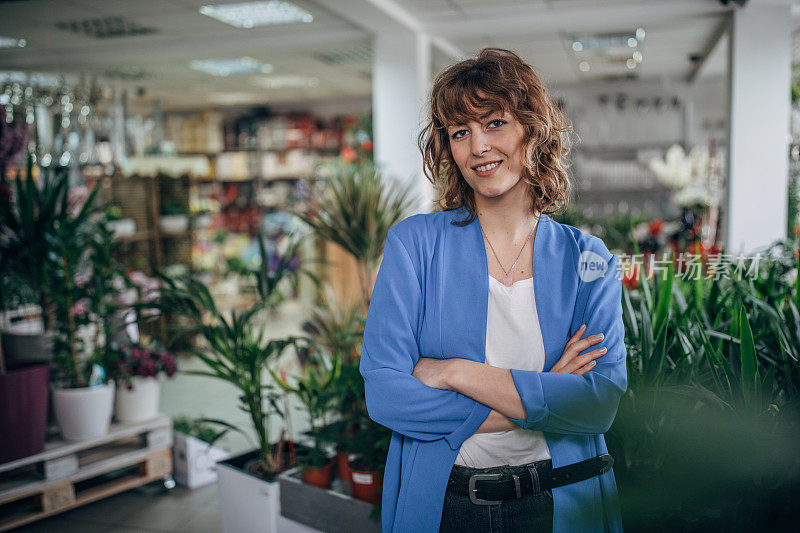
<point x="23" y="410"/>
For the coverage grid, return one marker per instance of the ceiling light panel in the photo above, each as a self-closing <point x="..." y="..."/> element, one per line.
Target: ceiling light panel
<point x="226" y="67"/>
<point x="286" y="82"/>
<point x="10" y="42"/>
<point x="252" y="14"/>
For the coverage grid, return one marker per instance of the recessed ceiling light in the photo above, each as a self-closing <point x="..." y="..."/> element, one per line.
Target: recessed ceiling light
<point x="226" y="67"/>
<point x="10" y="42"/>
<point x="640" y="34"/>
<point x="584" y="66"/>
<point x="286" y="82"/>
<point x="252" y="14"/>
<point x="607" y="41"/>
<point x="631" y="63"/>
<point x="637" y="56"/>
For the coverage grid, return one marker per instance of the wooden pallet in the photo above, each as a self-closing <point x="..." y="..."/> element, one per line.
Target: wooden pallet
<point x="70" y="474"/>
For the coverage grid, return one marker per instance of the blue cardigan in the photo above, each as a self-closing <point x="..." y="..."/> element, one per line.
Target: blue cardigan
<point x="430" y="299"/>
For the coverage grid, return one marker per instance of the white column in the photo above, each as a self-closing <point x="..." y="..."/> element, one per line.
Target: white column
<point x="400" y="87"/>
<point x="760" y="70"/>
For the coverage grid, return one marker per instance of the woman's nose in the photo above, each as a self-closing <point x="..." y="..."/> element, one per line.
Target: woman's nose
<point x="478" y="144"/>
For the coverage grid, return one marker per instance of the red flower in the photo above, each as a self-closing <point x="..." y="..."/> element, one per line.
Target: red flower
<point x="655" y="227"/>
<point x="348" y="154"/>
<point x="366" y="146"/>
<point x="631" y="277"/>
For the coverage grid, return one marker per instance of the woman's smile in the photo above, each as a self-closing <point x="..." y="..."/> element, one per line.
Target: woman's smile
<point x="484" y="170"/>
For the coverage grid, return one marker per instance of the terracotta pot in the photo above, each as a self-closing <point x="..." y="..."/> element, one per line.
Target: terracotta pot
<point x="320" y="476"/>
<point x="23" y="410"/>
<point x="367" y="484"/>
<point x="343" y="467"/>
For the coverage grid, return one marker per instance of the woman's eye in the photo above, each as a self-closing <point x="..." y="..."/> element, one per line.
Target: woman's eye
<point x="496" y="123"/>
<point x="458" y="134"/>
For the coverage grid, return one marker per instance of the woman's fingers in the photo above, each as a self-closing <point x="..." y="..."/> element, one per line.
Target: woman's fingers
<point x="577" y="335"/>
<point x="585" y="362"/>
<point x="566" y="363"/>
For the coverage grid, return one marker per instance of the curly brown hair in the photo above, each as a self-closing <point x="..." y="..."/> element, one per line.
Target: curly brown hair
<point x="497" y="80"/>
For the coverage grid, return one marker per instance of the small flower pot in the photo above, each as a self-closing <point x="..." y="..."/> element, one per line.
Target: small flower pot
<point x="320" y="476"/>
<point x="367" y="484"/>
<point x="139" y="403"/>
<point x="125" y="227"/>
<point x="342" y="466"/>
<point x="84" y="413"/>
<point x="173" y="224"/>
<point x="23" y="410"/>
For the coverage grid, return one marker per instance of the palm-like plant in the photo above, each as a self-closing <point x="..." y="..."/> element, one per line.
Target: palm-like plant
<point x="314" y="390"/>
<point x="235" y="351"/>
<point x="356" y="212"/>
<point x="26" y="224"/>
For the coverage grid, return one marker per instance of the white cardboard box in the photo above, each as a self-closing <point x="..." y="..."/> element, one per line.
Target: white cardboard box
<point x="194" y="461"/>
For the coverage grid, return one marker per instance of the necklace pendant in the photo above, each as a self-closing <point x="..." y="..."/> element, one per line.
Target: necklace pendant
<point x="507" y="280"/>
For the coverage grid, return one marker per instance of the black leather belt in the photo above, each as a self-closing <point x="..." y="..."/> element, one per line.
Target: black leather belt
<point x="507" y="483"/>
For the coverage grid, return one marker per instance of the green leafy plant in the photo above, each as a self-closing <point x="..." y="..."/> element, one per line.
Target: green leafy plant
<point x="197" y="428"/>
<point x="234" y="348"/>
<point x="357" y="209"/>
<point x="314" y="391"/>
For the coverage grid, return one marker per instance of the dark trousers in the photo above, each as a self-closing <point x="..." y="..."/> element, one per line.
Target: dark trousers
<point x="531" y="513"/>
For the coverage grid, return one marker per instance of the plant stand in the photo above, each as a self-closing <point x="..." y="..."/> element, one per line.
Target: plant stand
<point x="331" y="510"/>
<point x="70" y="474"/>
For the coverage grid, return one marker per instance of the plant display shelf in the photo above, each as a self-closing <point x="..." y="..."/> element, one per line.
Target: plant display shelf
<point x="70" y="474"/>
<point x="333" y="510"/>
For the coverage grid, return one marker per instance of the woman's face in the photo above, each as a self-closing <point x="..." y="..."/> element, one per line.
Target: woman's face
<point x="488" y="151"/>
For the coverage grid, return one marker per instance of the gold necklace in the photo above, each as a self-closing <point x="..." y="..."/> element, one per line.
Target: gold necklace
<point x="507" y="279"/>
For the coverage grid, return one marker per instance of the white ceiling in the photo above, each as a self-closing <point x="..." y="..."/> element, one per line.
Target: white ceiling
<point x="159" y="62"/>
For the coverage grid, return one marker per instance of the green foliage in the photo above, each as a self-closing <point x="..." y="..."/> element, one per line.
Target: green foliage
<point x="61" y="249"/>
<point x="356" y="211"/>
<point x="198" y="428"/>
<point x="315" y="392"/>
<point x="707" y="357"/>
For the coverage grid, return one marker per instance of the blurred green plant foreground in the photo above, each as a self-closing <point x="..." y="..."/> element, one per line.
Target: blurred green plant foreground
<point x="707" y="436"/>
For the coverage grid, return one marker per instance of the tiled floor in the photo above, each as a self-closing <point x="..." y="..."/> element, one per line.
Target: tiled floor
<point x="149" y="509"/>
<point x="146" y="509"/>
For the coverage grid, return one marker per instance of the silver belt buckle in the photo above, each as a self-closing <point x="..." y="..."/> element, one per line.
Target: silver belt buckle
<point x="472" y="490"/>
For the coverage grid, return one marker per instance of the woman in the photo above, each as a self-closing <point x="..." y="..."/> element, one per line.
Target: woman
<point x="475" y="350"/>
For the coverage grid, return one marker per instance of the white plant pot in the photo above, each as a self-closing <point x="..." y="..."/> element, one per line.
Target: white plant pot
<point x="203" y="221"/>
<point x="123" y="228"/>
<point x="84" y="413"/>
<point x="138" y="404"/>
<point x="174" y="223"/>
<point x="194" y="461"/>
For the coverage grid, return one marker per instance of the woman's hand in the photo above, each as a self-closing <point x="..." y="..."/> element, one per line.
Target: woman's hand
<point x="433" y="372"/>
<point x="570" y="362"/>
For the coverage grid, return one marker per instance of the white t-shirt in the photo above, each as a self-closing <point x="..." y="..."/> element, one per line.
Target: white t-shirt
<point x="513" y="340"/>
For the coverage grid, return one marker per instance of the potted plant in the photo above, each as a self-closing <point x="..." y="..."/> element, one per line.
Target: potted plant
<point x="29" y="216"/>
<point x="234" y="349"/>
<point x="135" y="370"/>
<point x="194" y="455"/>
<point x="122" y="227"/>
<point x="340" y="329"/>
<point x="173" y="218"/>
<point x="81" y="279"/>
<point x="315" y="393"/>
<point x="372" y="442"/>
<point x="355" y="209"/>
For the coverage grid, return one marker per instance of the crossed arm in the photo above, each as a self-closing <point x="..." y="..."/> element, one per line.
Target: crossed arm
<point x="479" y="397"/>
